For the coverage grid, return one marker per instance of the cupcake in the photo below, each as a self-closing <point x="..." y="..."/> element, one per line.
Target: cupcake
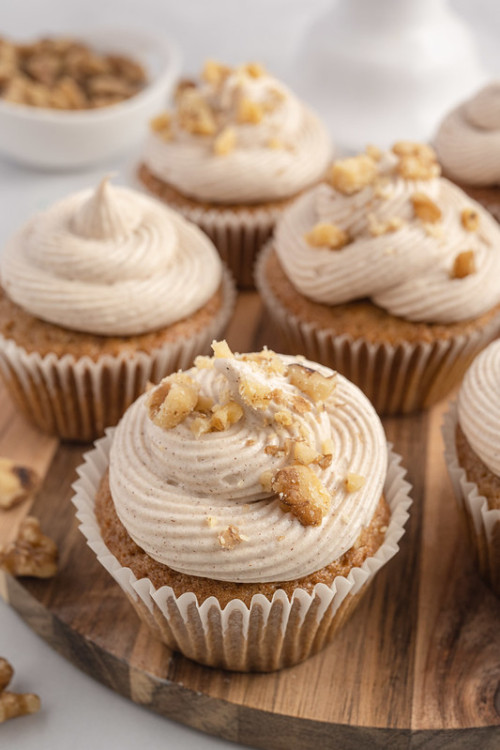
<point x="468" y="147"/>
<point x="387" y="273"/>
<point x="472" y="438"/>
<point x="243" y="506"/>
<point x="234" y="152"/>
<point x="101" y="293"/>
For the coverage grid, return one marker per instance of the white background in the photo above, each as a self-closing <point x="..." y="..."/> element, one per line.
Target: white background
<point x="78" y="712"/>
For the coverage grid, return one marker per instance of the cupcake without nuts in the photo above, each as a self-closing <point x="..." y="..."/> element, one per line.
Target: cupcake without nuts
<point x="389" y="274"/>
<point x="101" y="293"/>
<point x="243" y="506"/>
<point x="472" y="438"/>
<point x="468" y="146"/>
<point x="234" y="151"/>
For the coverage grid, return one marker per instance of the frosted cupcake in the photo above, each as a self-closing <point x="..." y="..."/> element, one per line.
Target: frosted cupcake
<point x="468" y="146"/>
<point x="243" y="506"/>
<point x="387" y="273"/>
<point x="472" y="438"/>
<point x="235" y="150"/>
<point x="101" y="293"/>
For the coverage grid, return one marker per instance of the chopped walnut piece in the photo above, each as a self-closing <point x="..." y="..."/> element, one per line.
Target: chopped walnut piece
<point x="214" y="72"/>
<point x="302" y="493"/>
<point x="31" y="554"/>
<point x="425" y="209"/>
<point x="194" y="113"/>
<point x="414" y="148"/>
<point x="283" y="418"/>
<point x="266" y="480"/>
<point x="311" y="382"/>
<point x="250" y="112"/>
<point x="13" y="705"/>
<point x="172" y="400"/>
<point x="275" y="143"/>
<point x="464" y="265"/>
<point x="225" y="142"/>
<point x="254" y="69"/>
<point x="210" y="521"/>
<point x="161" y="124"/>
<point x="327" y="235"/>
<point x="255" y="394"/>
<point x="225" y="416"/>
<point x="16" y="483"/>
<point x="304" y="453"/>
<point x="354" y="482"/>
<point x="351" y="175"/>
<point x="6" y="673"/>
<point x="230" y="537"/>
<point x="202" y="362"/>
<point x="470" y="219"/>
<point x="183" y="85"/>
<point x="204" y="403"/>
<point x="417" y="161"/>
<point x="374" y="152"/>
<point x="377" y="227"/>
<point x="221" y="349"/>
<point x="199" y="426"/>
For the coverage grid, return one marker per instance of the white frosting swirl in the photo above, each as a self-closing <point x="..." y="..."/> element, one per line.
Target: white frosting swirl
<point x="254" y="171"/>
<point x="408" y="271"/>
<point x="468" y="139"/>
<point x="479" y="407"/>
<point x="166" y="483"/>
<point x="111" y="262"/>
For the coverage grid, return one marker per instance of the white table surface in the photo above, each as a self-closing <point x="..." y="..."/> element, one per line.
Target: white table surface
<point x="78" y="712"/>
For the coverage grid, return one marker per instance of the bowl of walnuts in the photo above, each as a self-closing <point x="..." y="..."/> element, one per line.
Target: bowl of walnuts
<point x="71" y="101"/>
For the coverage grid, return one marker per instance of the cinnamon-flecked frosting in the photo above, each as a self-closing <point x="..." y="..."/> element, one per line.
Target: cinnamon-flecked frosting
<point x="386" y="226"/>
<point x="238" y="136"/>
<point x="206" y="490"/>
<point x="479" y="407"/>
<point x="468" y="139"/>
<point x="110" y="261"/>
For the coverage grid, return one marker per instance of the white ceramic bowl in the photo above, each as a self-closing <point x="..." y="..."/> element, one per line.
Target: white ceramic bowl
<point x="61" y="139"/>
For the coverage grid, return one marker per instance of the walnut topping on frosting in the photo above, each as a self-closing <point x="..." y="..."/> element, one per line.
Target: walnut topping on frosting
<point x="230" y="537"/>
<point x="301" y="492"/>
<point x="254" y="69"/>
<point x="470" y="219"/>
<point x="304" y="453"/>
<point x="162" y="124"/>
<point x="425" y="209"/>
<point x="311" y="382"/>
<point x="377" y="227"/>
<point x="417" y="161"/>
<point x="325" y="234"/>
<point x="354" y="482"/>
<point x="224" y="416"/>
<point x="215" y="72"/>
<point x="225" y="142"/>
<point x="171" y="402"/>
<point x="464" y="265"/>
<point x="351" y="175"/>
<point x="194" y="113"/>
<point x="221" y="349"/>
<point x="250" y="112"/>
<point x="374" y="152"/>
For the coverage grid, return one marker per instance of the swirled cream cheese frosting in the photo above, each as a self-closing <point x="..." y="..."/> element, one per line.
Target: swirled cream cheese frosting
<point x="248" y="468"/>
<point x="386" y="226"/>
<point x="479" y="407"/>
<point x="237" y="136"/>
<point x="468" y="140"/>
<point x="110" y="261"/>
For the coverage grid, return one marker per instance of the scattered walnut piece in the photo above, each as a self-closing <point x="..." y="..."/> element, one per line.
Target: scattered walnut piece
<point x="210" y="521"/>
<point x="378" y="227"/>
<point x="304" y="454"/>
<point x="17" y="483"/>
<point x="13" y="705"/>
<point x="31" y="554"/>
<point x="311" y="382"/>
<point x="464" y="265"/>
<point x="214" y="72"/>
<point x="221" y="349"/>
<point x="327" y="235"/>
<point x="470" y="219"/>
<point x="255" y="394"/>
<point x="199" y="426"/>
<point x="230" y="537"/>
<point x="417" y="161"/>
<point x="374" y="152"/>
<point x="425" y="209"/>
<point x="204" y="404"/>
<point x="194" y="114"/>
<point x="354" y="482"/>
<point x="172" y="400"/>
<point x="283" y="418"/>
<point x="225" y="416"/>
<point x="225" y="142"/>
<point x="351" y="175"/>
<point x="6" y="673"/>
<point x="302" y="493"/>
<point x="202" y="362"/>
<point x="266" y="480"/>
<point x="161" y="124"/>
<point x="250" y="112"/>
<point x="254" y="69"/>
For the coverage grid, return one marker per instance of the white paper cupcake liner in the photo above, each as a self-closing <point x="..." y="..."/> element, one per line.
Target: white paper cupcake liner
<point x="483" y="523"/>
<point x="398" y="379"/>
<point x="268" y="634"/>
<point x="77" y="399"/>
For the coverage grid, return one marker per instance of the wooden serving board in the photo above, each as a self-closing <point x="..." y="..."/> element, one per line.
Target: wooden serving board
<point x="418" y="665"/>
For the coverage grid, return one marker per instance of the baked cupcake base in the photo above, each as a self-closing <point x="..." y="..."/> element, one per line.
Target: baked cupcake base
<point x="266" y="632"/>
<point x="238" y="232"/>
<point x="477" y="490"/>
<point x="401" y="366"/>
<point x="74" y="384"/>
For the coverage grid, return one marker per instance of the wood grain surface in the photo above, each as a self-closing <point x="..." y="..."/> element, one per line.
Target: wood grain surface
<point x="418" y="665"/>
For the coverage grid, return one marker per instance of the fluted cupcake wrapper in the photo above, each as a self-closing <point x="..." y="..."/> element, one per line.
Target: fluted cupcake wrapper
<point x="483" y="522"/>
<point x="397" y="378"/>
<point x="76" y="399"/>
<point x="268" y="634"/>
